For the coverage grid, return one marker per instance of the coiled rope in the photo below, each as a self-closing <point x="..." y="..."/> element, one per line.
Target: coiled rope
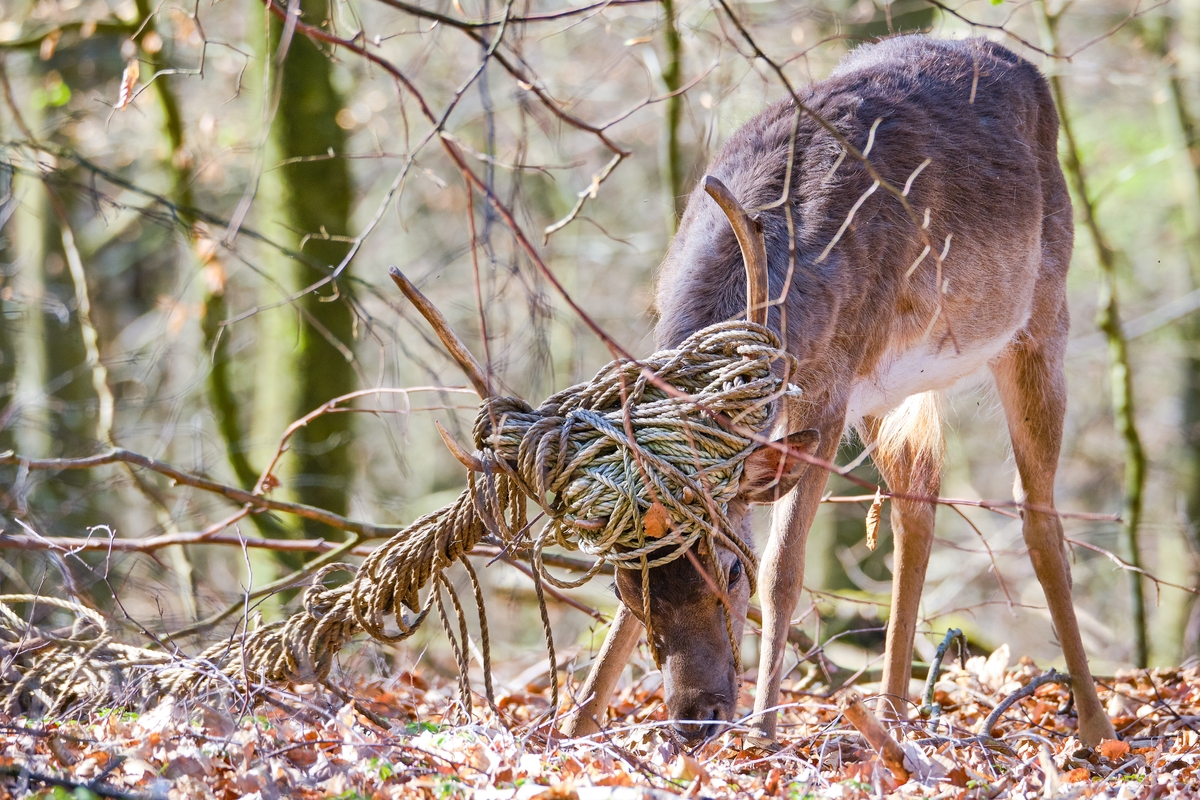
<point x="669" y="434"/>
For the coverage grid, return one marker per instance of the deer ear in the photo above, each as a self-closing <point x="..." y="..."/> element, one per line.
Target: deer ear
<point x="770" y="473"/>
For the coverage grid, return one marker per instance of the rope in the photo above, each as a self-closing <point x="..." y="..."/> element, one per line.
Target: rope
<point x="597" y="458"/>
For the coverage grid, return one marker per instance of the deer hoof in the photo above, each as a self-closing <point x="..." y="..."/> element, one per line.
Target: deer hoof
<point x="759" y="740"/>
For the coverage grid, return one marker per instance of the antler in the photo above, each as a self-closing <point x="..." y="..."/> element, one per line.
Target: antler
<point x="460" y="454"/>
<point x="458" y="351"/>
<point x="754" y="248"/>
<point x="442" y="328"/>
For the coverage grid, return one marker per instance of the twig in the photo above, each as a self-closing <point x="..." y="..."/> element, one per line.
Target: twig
<point x="121" y="455"/>
<point x="928" y="707"/>
<point x="1025" y="691"/>
<point x="286" y="582"/>
<point x="545" y="16"/>
<point x="1125" y="565"/>
<point x="991" y="557"/>
<point x="33" y="41"/>
<point x="551" y="591"/>
<point x="861" y="717"/>
<point x="20" y="770"/>
<point x="998" y="506"/>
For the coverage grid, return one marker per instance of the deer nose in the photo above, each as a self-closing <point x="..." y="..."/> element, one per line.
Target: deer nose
<point x="700" y="719"/>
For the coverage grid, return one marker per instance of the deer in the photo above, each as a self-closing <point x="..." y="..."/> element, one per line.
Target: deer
<point x="885" y="298"/>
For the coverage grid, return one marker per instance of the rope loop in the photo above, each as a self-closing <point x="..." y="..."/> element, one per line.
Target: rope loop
<point x="663" y="439"/>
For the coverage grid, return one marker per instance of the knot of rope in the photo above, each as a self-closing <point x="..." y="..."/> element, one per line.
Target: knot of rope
<point x="667" y="436"/>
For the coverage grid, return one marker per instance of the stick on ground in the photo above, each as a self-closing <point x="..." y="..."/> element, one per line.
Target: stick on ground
<point x="862" y="718"/>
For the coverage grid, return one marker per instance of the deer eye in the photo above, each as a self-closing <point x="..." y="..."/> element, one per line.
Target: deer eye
<point x="735" y="572"/>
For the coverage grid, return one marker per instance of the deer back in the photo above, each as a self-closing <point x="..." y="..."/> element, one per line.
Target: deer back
<point x="858" y="314"/>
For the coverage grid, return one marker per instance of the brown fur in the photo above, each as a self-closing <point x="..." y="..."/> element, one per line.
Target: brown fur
<point x="868" y="334"/>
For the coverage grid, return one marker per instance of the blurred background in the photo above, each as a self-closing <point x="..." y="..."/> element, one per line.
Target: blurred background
<point x="198" y="206"/>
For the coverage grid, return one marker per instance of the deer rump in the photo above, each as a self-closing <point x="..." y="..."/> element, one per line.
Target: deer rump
<point x="882" y="306"/>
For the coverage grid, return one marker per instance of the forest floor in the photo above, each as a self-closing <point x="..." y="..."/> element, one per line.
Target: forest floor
<point x="404" y="738"/>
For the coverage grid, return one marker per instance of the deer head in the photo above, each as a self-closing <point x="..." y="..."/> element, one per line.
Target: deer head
<point x="688" y="610"/>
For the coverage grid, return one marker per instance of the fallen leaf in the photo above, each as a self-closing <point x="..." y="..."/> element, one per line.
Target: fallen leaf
<point x="63" y="750"/>
<point x="1077" y="775"/>
<point x="873" y="515"/>
<point x="1112" y="749"/>
<point x="563" y="791"/>
<point x="771" y="786"/>
<point x="688" y="768"/>
<point x="657" y="521"/>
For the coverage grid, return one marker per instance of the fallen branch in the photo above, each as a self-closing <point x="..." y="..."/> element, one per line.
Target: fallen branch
<point x="1025" y="691"/>
<point x="928" y="707"/>
<point x="862" y="718"/>
<point x="21" y="771"/>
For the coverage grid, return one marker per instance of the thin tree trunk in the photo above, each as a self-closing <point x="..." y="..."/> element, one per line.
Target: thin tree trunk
<point x="1180" y="61"/>
<point x="317" y="203"/>
<point x="672" y="75"/>
<point x="227" y="403"/>
<point x="9" y="314"/>
<point x="1108" y="319"/>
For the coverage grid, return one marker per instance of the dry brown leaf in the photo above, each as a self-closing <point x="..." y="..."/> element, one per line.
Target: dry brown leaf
<point x="657" y="521"/>
<point x="771" y="785"/>
<point x="1112" y="749"/>
<point x="562" y="791"/>
<point x="1077" y="775"/>
<point x="63" y="750"/>
<point x="129" y="79"/>
<point x="873" y="515"/>
<point x="688" y="768"/>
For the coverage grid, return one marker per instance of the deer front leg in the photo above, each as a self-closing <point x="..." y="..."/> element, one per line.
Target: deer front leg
<point x="614" y="654"/>
<point x="1033" y="390"/>
<point x="781" y="576"/>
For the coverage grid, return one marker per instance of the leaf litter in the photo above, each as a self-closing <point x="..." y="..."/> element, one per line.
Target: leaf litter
<point x="406" y="737"/>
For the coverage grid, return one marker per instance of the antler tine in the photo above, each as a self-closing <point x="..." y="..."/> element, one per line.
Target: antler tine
<point x="753" y="245"/>
<point x="441" y="327"/>
<point x="460" y="454"/>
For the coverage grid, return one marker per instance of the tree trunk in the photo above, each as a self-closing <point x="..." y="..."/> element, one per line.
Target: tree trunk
<point x="1186" y="60"/>
<point x="317" y="196"/>
<point x="9" y="312"/>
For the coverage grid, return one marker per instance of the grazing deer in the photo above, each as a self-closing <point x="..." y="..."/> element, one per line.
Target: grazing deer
<point x="882" y="310"/>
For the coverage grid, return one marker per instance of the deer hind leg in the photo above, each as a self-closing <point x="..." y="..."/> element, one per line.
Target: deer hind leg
<point x="614" y="654"/>
<point x="1033" y="390"/>
<point x="908" y="454"/>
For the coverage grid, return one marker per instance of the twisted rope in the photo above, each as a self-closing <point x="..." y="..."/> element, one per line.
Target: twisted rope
<point x="597" y="458"/>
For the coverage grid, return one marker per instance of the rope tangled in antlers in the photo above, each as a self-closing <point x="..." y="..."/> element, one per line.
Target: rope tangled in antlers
<point x="597" y="458"/>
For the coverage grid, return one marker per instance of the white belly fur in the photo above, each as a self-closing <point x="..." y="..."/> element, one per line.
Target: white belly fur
<point x="920" y="368"/>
